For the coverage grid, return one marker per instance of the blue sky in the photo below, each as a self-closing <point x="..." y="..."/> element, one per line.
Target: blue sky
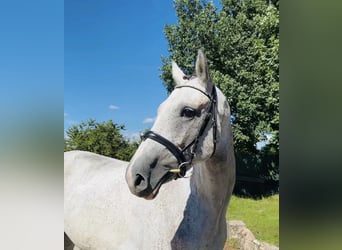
<point x="112" y="56"/>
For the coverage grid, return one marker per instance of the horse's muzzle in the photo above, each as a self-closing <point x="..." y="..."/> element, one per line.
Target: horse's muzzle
<point x="146" y="182"/>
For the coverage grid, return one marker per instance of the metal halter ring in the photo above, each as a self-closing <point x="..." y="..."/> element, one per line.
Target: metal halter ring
<point x="181" y="170"/>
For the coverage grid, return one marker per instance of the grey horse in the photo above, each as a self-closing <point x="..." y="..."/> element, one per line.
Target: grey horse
<point x="187" y="158"/>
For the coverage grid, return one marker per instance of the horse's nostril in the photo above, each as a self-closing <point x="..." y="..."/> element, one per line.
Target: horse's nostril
<point x="138" y="180"/>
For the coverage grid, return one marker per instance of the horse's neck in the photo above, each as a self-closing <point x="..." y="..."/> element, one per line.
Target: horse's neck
<point x="210" y="186"/>
<point x="203" y="225"/>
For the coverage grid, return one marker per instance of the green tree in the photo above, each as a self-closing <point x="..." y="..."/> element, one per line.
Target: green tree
<point x="100" y="137"/>
<point x="241" y="42"/>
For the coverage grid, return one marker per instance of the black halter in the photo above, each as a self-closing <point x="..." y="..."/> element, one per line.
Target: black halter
<point x="183" y="163"/>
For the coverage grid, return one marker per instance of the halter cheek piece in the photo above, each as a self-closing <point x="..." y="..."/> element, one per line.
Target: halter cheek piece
<point x="183" y="163"/>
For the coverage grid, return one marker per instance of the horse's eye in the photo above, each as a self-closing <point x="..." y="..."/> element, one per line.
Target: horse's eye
<point x="188" y="112"/>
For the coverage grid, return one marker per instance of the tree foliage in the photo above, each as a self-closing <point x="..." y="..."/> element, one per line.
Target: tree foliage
<point x="241" y="41"/>
<point x="103" y="138"/>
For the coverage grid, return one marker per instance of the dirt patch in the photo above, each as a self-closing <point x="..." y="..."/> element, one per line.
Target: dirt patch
<point x="240" y="237"/>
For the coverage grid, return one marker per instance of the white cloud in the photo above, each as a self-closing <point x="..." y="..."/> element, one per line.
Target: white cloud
<point x="149" y="120"/>
<point x="65" y="114"/>
<point x="71" y="122"/>
<point x="113" y="107"/>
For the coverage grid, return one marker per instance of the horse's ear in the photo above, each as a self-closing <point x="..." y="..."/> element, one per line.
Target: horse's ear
<point x="202" y="70"/>
<point x="177" y="73"/>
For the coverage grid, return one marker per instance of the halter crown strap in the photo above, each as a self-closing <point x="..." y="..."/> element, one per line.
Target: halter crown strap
<point x="188" y="86"/>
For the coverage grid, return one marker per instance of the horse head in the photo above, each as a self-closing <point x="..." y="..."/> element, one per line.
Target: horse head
<point x="184" y="133"/>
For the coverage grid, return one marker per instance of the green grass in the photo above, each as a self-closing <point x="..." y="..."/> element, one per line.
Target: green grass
<point x="260" y="216"/>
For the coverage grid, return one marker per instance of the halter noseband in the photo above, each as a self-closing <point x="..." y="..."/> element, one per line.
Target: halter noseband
<point x="183" y="164"/>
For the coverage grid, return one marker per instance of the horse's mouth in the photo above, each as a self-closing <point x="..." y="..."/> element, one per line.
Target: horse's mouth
<point x="168" y="176"/>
